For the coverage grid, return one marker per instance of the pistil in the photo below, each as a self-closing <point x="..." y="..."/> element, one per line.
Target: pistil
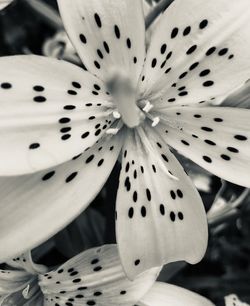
<point x="124" y="94"/>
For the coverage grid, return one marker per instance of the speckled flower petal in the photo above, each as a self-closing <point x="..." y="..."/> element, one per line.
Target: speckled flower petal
<point x="50" y="111"/>
<point x="25" y="262"/>
<point x="199" y="52"/>
<point x="94" y="277"/>
<point x="34" y="207"/>
<point x="233" y="300"/>
<point x="160" y="215"/>
<point x="107" y="34"/>
<point x="216" y="138"/>
<point x="4" y="3"/>
<point x="168" y="295"/>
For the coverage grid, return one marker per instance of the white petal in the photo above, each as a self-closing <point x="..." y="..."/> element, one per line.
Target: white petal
<point x="4" y="3"/>
<point x="104" y="34"/>
<point x="233" y="300"/>
<point x="160" y="215"/>
<point x="168" y="295"/>
<point x="216" y="138"/>
<point x="25" y="262"/>
<point x="239" y="98"/>
<point x="34" y="207"/>
<point x="49" y="113"/>
<point x="13" y="280"/>
<point x="199" y="52"/>
<point x="95" y="277"/>
<point x="17" y="297"/>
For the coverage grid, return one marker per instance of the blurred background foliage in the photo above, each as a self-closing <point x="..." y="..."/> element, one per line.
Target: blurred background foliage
<point x="34" y="27"/>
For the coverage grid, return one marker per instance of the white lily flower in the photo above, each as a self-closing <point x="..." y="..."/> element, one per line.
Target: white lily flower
<point x="94" y="277"/>
<point x="63" y="128"/>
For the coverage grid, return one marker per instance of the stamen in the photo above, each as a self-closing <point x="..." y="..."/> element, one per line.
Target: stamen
<point x="155" y="120"/>
<point x="112" y="131"/>
<point x="116" y="115"/>
<point x="147" y="108"/>
<point x="115" y="130"/>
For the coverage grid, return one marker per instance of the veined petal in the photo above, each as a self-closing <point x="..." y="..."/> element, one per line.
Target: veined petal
<point x="239" y="98"/>
<point x="4" y="3"/>
<point x="216" y="138"/>
<point x="49" y="112"/>
<point x="34" y="207"/>
<point x="19" y="298"/>
<point x="160" y="215"/>
<point x="19" y="287"/>
<point x="95" y="277"/>
<point x="103" y="33"/>
<point x="169" y="295"/>
<point x="13" y="281"/>
<point x="199" y="52"/>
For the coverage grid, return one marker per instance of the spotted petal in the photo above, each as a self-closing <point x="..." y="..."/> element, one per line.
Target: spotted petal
<point x="216" y="138"/>
<point x="104" y="34"/>
<point x="50" y="111"/>
<point x="25" y="262"/>
<point x="168" y="295"/>
<point x="94" y="277"/>
<point x="34" y="207"/>
<point x="199" y="52"/>
<point x="233" y="300"/>
<point x="160" y="215"/>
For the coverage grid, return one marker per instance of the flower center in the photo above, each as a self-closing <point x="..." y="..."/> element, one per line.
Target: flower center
<point x="124" y="93"/>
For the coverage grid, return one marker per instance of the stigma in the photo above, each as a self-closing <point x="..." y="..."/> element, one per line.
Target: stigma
<point x="124" y="94"/>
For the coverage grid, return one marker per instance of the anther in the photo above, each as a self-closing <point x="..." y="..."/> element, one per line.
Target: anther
<point x="115" y="130"/>
<point x="155" y="121"/>
<point x="116" y="115"/>
<point x="112" y="131"/>
<point x="147" y="108"/>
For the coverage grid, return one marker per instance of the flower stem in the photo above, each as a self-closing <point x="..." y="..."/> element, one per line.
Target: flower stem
<point x="47" y="13"/>
<point x="157" y="10"/>
<point x="241" y="198"/>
